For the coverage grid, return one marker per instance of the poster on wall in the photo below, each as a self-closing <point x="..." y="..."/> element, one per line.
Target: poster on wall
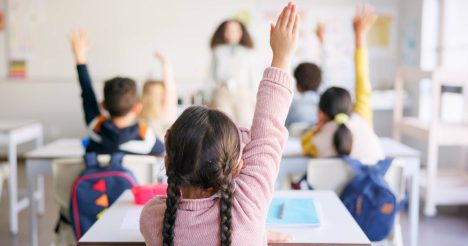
<point x="23" y="15"/>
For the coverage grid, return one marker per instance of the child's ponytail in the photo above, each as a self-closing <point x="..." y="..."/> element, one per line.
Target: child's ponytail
<point x="172" y="201"/>
<point x="342" y="138"/>
<point x="225" y="205"/>
<point x="336" y="104"/>
<point x="202" y="149"/>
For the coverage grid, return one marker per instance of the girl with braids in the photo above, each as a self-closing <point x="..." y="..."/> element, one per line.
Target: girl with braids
<point x="220" y="177"/>
<point x="344" y="128"/>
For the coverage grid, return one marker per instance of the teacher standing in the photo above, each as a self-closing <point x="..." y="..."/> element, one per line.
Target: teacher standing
<point x="233" y="83"/>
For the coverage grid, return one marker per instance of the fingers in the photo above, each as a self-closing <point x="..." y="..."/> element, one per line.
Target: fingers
<point x="292" y="17"/>
<point x="296" y="27"/>
<point x="280" y="17"/>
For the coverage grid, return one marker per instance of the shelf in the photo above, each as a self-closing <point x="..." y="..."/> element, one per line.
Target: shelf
<point x="446" y="133"/>
<point x="450" y="188"/>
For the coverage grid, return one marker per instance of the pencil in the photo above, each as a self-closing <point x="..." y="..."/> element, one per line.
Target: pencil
<point x="281" y="213"/>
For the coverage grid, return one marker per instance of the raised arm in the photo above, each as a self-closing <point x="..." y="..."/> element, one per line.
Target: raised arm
<point x="363" y="21"/>
<point x="324" y="57"/>
<point x="80" y="46"/>
<point x="169" y="107"/>
<point x="262" y="154"/>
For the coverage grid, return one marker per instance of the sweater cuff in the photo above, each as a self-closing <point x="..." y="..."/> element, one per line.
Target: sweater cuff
<point x="279" y="76"/>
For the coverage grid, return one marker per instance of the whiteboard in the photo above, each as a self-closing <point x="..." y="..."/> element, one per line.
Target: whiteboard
<point x="124" y="33"/>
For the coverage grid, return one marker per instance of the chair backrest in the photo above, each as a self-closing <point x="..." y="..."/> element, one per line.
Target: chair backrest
<point x="334" y="174"/>
<point x="146" y="170"/>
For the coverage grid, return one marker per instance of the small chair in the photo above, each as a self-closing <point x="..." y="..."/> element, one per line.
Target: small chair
<point x="146" y="170"/>
<point x="334" y="174"/>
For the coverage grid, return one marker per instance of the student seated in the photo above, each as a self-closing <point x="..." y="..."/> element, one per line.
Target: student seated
<point x="119" y="132"/>
<point x="344" y="128"/>
<point x="304" y="105"/>
<point x="159" y="100"/>
<point x="310" y="83"/>
<point x="220" y="177"/>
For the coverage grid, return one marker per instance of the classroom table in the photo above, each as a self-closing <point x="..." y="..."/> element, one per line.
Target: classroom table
<point x="294" y="162"/>
<point x="12" y="134"/>
<point x="39" y="164"/>
<point x="120" y="224"/>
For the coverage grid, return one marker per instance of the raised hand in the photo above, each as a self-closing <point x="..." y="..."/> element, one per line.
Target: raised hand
<point x="362" y="22"/>
<point x="283" y="37"/>
<point x="320" y="32"/>
<point x="80" y="45"/>
<point x="160" y="56"/>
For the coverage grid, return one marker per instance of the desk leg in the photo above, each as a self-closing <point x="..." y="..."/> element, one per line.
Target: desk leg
<point x="40" y="190"/>
<point x="13" y="188"/>
<point x="40" y="181"/>
<point x="32" y="202"/>
<point x="414" y="203"/>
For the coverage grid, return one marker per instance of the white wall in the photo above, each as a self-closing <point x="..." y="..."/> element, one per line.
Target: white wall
<point x="124" y="33"/>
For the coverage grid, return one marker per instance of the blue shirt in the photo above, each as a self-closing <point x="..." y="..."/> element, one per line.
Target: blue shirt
<point x="304" y="108"/>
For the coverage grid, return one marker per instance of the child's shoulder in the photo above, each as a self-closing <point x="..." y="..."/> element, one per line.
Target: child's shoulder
<point x="155" y="205"/>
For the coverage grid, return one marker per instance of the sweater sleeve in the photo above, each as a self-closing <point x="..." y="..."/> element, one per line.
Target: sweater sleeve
<point x="268" y="134"/>
<point x="308" y="147"/>
<point x="362" y="105"/>
<point x="90" y="104"/>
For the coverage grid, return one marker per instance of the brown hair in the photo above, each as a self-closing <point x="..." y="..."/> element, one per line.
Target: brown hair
<point x="219" y="39"/>
<point x="308" y="77"/>
<point x="333" y="101"/>
<point x="120" y="95"/>
<point x="151" y="99"/>
<point x="202" y="151"/>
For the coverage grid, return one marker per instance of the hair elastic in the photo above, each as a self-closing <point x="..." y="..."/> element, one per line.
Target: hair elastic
<point x="341" y="118"/>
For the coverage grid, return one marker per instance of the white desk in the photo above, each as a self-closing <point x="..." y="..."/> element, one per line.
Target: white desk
<point x="39" y="164"/>
<point x="338" y="227"/>
<point x="12" y="134"/>
<point x="294" y="162"/>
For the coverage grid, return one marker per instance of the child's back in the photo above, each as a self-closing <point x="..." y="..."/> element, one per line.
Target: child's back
<point x="218" y="191"/>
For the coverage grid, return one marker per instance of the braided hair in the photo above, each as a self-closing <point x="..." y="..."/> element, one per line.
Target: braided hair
<point x="202" y="150"/>
<point x="336" y="101"/>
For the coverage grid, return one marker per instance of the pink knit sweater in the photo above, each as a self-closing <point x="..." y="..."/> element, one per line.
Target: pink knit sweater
<point x="197" y="221"/>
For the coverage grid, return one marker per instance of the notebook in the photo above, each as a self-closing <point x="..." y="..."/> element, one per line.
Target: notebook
<point x="292" y="212"/>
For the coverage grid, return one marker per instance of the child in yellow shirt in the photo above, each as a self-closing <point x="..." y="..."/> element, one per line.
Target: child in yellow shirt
<point x="345" y="128"/>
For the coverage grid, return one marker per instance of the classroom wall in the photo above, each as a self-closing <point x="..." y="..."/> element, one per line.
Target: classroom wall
<point x="51" y="93"/>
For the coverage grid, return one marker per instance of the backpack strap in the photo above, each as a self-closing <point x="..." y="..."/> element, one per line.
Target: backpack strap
<point x="91" y="160"/>
<point x="116" y="159"/>
<point x="354" y="164"/>
<point x="383" y="166"/>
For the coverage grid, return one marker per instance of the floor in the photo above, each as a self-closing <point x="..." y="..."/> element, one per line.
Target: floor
<point x="449" y="227"/>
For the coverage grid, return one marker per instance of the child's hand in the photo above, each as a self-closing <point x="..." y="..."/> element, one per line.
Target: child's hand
<point x="320" y="32"/>
<point x="160" y="56"/>
<point x="283" y="37"/>
<point x="2" y="21"/>
<point x="80" y="45"/>
<point x="363" y="21"/>
<point x="278" y="237"/>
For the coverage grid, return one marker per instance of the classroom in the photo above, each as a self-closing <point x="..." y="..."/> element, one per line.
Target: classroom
<point x="234" y="122"/>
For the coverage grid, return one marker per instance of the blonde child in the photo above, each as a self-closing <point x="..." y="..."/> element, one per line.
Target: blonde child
<point x="221" y="177"/>
<point x="344" y="128"/>
<point x="159" y="99"/>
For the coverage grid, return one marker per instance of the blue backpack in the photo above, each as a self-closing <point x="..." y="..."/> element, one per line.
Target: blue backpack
<point x="96" y="189"/>
<point x="370" y="200"/>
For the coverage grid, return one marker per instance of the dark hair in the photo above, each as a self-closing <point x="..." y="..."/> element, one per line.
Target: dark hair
<point x="334" y="101"/>
<point x="202" y="150"/>
<point x="120" y="95"/>
<point x="219" y="39"/>
<point x="308" y="77"/>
